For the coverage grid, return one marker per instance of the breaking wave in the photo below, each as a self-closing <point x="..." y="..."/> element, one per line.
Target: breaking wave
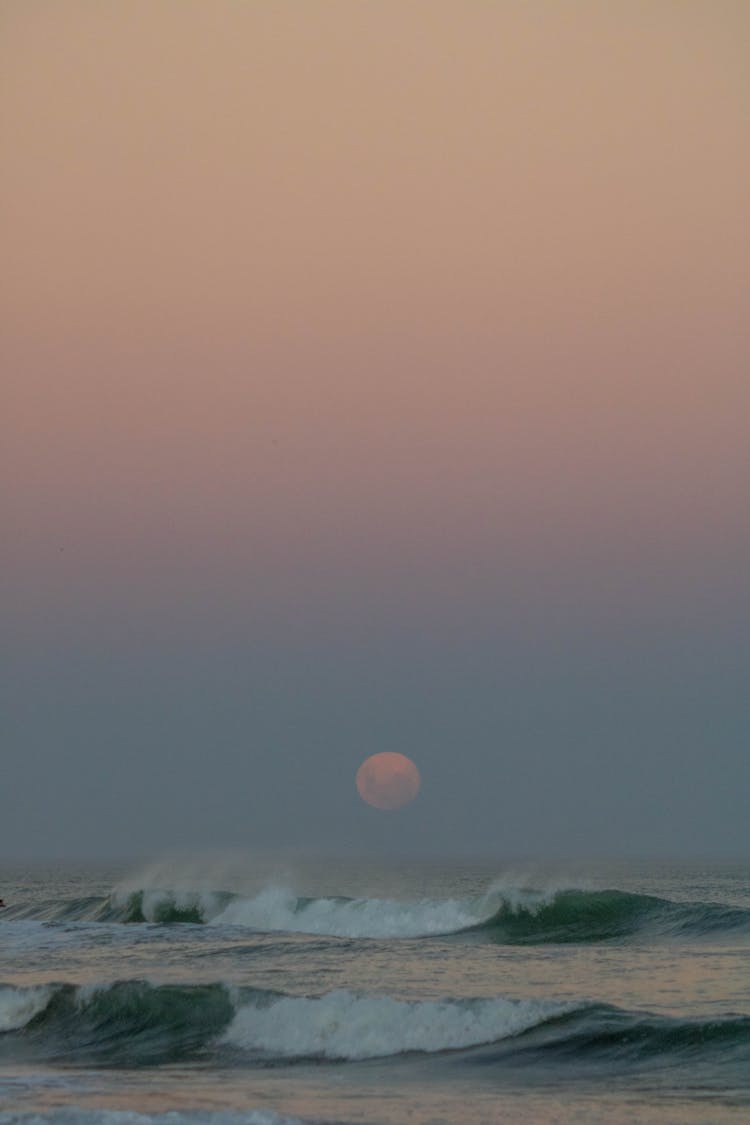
<point x="344" y="1025"/>
<point x="135" y="1022"/>
<point x="590" y="916"/>
<point x="131" y="1023"/>
<point x="504" y="914"/>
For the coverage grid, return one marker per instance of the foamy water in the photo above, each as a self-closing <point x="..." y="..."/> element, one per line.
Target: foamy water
<point x="277" y="909"/>
<point x="185" y="996"/>
<point x="19" y="1006"/>
<point x="343" y="1025"/>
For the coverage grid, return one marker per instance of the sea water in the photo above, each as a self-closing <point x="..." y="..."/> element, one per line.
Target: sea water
<point x="263" y="990"/>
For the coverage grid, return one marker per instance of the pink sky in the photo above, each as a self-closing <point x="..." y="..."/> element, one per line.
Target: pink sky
<point x="396" y="297"/>
<point x="375" y="377"/>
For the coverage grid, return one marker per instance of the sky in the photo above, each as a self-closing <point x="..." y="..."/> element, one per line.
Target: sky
<point x="376" y="378"/>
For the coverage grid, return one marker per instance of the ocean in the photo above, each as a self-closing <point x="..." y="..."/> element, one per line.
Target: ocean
<point x="259" y="990"/>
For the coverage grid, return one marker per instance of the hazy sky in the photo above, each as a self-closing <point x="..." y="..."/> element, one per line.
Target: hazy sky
<point x="376" y="376"/>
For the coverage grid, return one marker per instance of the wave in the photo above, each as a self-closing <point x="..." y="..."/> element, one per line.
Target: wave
<point x="138" y="1023"/>
<point x="345" y="1025"/>
<point x="164" y="907"/>
<point x="273" y="910"/>
<point x="604" y="1039"/>
<point x="591" y="916"/>
<point x="135" y="1023"/>
<point x="504" y="914"/>
<point x="128" y="1022"/>
<point x="277" y="910"/>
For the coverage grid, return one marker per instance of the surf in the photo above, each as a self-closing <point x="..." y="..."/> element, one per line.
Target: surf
<point x="585" y="916"/>
<point x="138" y="1023"/>
<point x="505" y="914"/>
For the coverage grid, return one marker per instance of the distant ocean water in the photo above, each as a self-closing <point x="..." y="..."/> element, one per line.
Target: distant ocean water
<point x="263" y="990"/>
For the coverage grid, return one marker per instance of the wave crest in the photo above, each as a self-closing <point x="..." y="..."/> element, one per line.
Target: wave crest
<point x="344" y="1025"/>
<point x="136" y="1023"/>
<point x="276" y="909"/>
<point x="505" y="914"/>
<point x="591" y="916"/>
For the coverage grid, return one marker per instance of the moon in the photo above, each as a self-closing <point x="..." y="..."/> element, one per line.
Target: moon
<point x="388" y="780"/>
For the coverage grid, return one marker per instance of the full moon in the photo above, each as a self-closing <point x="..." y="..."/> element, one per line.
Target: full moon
<point x="388" y="780"/>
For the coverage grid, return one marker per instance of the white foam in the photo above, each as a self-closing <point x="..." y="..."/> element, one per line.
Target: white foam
<point x="278" y="909"/>
<point x="344" y="1025"/>
<point x="19" y="1005"/>
<point x="516" y="893"/>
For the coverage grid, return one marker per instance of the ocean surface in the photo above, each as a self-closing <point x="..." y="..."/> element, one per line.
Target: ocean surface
<point x="260" y="990"/>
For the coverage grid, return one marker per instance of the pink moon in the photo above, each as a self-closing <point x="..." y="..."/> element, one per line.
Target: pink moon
<point x="388" y="780"/>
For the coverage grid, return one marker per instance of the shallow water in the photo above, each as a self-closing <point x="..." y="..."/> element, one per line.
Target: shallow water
<point x="254" y="989"/>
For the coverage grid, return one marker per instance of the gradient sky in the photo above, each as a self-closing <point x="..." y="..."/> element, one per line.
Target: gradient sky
<point x="376" y="377"/>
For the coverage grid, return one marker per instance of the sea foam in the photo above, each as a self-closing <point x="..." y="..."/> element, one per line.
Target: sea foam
<point x="345" y="1025"/>
<point x="277" y="909"/>
<point x="19" y="1005"/>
